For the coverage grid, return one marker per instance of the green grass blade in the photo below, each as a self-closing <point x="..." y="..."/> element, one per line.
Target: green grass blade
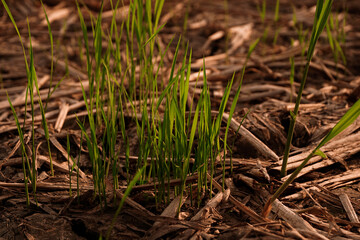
<point x="172" y="80"/>
<point x="350" y="116"/>
<point x="237" y="94"/>
<point x="321" y="16"/>
<point x="17" y="31"/>
<point x="224" y="100"/>
<point x="320" y="19"/>
<point x="277" y="6"/>
<point x="23" y="149"/>
<point x="154" y="34"/>
<point x="86" y="41"/>
<point x="51" y="53"/>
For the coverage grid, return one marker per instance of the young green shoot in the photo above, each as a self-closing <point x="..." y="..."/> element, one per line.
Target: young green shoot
<point x="23" y="151"/>
<point x="334" y="41"/>
<point x="32" y="82"/>
<point x="71" y="168"/>
<point x="276" y="21"/>
<point x="292" y="77"/>
<point x="262" y="10"/>
<point x="321" y="15"/>
<point x="235" y="100"/>
<point x="43" y="108"/>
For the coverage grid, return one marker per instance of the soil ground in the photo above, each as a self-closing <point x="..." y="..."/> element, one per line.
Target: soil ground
<point x="221" y="35"/>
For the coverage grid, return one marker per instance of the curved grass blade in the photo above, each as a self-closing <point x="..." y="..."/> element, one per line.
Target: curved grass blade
<point x="235" y="100"/>
<point x="23" y="149"/>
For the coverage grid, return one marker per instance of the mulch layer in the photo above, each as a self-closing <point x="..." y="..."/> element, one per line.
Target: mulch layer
<point x="322" y="203"/>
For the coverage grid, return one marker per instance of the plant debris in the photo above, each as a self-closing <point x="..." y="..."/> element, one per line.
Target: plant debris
<point x="322" y="203"/>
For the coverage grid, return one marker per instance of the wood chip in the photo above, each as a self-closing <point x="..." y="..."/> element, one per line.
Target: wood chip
<point x="64" y="109"/>
<point x="344" y="198"/>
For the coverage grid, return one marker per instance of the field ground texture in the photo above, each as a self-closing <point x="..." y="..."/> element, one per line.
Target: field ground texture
<point x="322" y="203"/>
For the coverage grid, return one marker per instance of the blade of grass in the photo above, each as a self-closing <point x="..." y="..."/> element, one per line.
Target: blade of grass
<point x="51" y="58"/>
<point x="234" y="103"/>
<point x="321" y="16"/>
<point x="23" y="150"/>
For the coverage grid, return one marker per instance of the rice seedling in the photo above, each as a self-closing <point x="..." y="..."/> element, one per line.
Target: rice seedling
<point x="43" y="108"/>
<point x="24" y="157"/>
<point x="320" y="19"/>
<point x="233" y="105"/>
<point x="51" y="58"/>
<point x="292" y="77"/>
<point x="71" y="167"/>
<point x="334" y="41"/>
<point x="227" y="36"/>
<point x="342" y="35"/>
<point x="302" y="34"/>
<point x="276" y="20"/>
<point x="105" y="92"/>
<point x="262" y="13"/>
<point x="29" y="169"/>
<point x="94" y="92"/>
<point x="262" y="10"/>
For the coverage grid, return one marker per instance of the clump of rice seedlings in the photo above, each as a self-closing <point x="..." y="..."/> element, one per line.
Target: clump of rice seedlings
<point x="95" y="100"/>
<point x="336" y="36"/>
<point x="177" y="131"/>
<point x="169" y="139"/>
<point x="141" y="28"/>
<point x="106" y="94"/>
<point x="300" y="31"/>
<point x="262" y="13"/>
<point x="29" y="169"/>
